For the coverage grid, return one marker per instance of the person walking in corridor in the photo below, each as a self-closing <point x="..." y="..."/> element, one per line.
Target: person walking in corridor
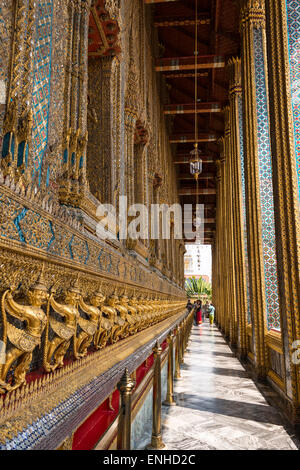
<point x="198" y="311"/>
<point x="211" y="311"/>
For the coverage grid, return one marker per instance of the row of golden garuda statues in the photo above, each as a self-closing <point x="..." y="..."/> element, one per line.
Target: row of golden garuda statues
<point x="69" y="327"/>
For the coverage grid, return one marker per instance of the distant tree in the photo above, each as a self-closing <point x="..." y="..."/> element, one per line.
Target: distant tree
<point x="198" y="287"/>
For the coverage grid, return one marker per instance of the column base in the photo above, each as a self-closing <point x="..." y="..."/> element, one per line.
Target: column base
<point x="171" y="402"/>
<point x="156" y="443"/>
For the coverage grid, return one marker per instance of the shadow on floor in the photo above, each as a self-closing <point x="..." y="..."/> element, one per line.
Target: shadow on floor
<point x="219" y="371"/>
<point x="211" y="353"/>
<point x="217" y="353"/>
<point x="237" y="409"/>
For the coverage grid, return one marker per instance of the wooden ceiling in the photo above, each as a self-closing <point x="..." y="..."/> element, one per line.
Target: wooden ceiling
<point x="218" y="40"/>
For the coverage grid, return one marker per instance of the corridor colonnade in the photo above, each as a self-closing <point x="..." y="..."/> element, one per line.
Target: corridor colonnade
<point x="81" y="125"/>
<point x="256" y="250"/>
<point x="121" y="437"/>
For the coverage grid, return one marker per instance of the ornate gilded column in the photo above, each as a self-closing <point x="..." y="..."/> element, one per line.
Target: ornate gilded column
<point x="259" y="186"/>
<point x="172" y="250"/>
<point x="229" y="232"/>
<point x="105" y="179"/>
<point x="182" y="339"/>
<point x="130" y="122"/>
<point x="75" y="65"/>
<point x="169" y="401"/>
<point x="125" y="386"/>
<point x="72" y="185"/>
<point x="223" y="242"/>
<point x="217" y="250"/>
<point x="239" y="204"/>
<point x="283" y="58"/>
<point x="156" y="440"/>
<point x="177" y="354"/>
<point x="18" y="119"/>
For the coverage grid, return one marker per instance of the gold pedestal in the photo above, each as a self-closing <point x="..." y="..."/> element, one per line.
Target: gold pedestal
<point x="156" y="439"/>
<point x="156" y="443"/>
<point x="169" y="401"/>
<point x="125" y="386"/>
<point x="177" y="355"/>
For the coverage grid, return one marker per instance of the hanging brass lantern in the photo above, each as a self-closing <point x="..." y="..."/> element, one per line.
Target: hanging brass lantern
<point x="196" y="163"/>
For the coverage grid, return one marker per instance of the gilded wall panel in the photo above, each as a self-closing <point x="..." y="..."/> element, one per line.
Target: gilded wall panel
<point x="6" y="25"/>
<point x="53" y="156"/>
<point x="293" y="21"/>
<point x="94" y="149"/>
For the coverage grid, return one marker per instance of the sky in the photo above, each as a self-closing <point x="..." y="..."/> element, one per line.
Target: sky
<point x="206" y="260"/>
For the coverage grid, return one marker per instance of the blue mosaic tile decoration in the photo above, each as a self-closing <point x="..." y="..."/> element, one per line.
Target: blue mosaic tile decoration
<point x="293" y="19"/>
<point x="266" y="186"/>
<point x="33" y="228"/>
<point x="242" y="154"/>
<point x="41" y="81"/>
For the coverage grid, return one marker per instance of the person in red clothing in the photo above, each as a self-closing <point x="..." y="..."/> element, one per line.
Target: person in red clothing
<point x="198" y="312"/>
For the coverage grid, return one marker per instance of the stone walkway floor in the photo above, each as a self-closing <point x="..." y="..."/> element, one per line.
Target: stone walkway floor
<point x="219" y="406"/>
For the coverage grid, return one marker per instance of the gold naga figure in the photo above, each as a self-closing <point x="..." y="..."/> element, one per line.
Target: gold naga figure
<point x="133" y="303"/>
<point x="106" y="325"/>
<point x="122" y="312"/>
<point x="130" y="315"/>
<point x="147" y="312"/>
<point x="142" y="312"/>
<point x="151" y="309"/>
<point x="22" y="342"/>
<point x="91" y="327"/>
<point x="110" y="313"/>
<point x="56" y="349"/>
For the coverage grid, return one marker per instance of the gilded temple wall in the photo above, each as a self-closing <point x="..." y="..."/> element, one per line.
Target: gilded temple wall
<point x="48" y="242"/>
<point x="54" y="136"/>
<point x="6" y="21"/>
<point x="56" y="109"/>
<point x="124" y="94"/>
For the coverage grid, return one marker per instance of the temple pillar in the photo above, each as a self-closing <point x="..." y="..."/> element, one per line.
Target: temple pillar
<point x="223" y="244"/>
<point x="130" y="125"/>
<point x="259" y="187"/>
<point x="156" y="440"/>
<point x="283" y="55"/>
<point x="125" y="386"/>
<point x="239" y="210"/>
<point x="229" y="232"/>
<point x="217" y="251"/>
<point x="169" y="401"/>
<point x="177" y="354"/>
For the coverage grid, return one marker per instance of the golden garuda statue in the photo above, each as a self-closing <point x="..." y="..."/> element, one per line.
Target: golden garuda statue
<point x="92" y="326"/>
<point x="63" y="329"/>
<point x="22" y="328"/>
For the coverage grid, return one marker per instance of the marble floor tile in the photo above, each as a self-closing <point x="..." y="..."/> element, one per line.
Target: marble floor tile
<point x="219" y="406"/>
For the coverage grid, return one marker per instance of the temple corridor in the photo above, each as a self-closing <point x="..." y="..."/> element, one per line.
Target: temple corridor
<point x="133" y="131"/>
<point x="218" y="404"/>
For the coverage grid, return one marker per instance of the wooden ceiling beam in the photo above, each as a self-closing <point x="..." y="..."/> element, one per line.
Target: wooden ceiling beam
<point x="159" y="1"/>
<point x="173" y="76"/>
<point x="209" y="221"/>
<point x="188" y="63"/>
<point x="208" y="207"/>
<point x="189" y="108"/>
<point x="189" y="177"/>
<point x="186" y="161"/>
<point x="194" y="192"/>
<point x="204" y="20"/>
<point x="178" y="138"/>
